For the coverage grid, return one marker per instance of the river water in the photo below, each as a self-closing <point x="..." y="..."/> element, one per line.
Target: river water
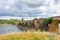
<point x="8" y="29"/>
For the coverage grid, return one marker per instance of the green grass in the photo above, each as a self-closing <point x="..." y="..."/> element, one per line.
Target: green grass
<point x="29" y="36"/>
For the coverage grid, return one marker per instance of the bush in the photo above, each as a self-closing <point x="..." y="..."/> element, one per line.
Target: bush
<point x="48" y="20"/>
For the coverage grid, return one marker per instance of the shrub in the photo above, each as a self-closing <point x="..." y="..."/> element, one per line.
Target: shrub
<point x="48" y="20"/>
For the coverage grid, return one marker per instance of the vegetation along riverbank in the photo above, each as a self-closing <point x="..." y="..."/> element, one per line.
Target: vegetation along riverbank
<point x="10" y="22"/>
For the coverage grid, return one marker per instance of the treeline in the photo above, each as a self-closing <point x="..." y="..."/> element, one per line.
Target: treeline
<point x="11" y="21"/>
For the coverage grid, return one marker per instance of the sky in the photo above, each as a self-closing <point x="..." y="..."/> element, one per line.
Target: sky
<point x="28" y="9"/>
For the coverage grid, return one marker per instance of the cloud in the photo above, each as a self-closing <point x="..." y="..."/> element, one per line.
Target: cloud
<point x="34" y="3"/>
<point x="13" y="17"/>
<point x="30" y="8"/>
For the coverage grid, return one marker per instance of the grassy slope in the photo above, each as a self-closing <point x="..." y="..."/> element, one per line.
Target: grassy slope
<point x="29" y="36"/>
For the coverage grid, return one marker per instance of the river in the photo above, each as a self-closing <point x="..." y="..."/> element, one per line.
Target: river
<point x="9" y="29"/>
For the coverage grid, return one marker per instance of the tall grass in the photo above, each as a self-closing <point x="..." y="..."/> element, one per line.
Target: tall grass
<point x="29" y="36"/>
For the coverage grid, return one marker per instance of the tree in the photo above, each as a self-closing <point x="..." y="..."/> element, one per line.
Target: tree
<point x="44" y="26"/>
<point x="48" y="20"/>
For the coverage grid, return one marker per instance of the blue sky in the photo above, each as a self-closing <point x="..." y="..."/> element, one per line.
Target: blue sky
<point x="29" y="8"/>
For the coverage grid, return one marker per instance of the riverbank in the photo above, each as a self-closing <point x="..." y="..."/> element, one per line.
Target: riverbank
<point x="29" y="36"/>
<point x="6" y="24"/>
<point x="10" y="22"/>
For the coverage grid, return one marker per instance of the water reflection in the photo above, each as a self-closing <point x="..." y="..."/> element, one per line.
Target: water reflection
<point x="8" y="29"/>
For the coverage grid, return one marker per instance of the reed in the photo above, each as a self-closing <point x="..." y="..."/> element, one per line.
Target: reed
<point x="29" y="36"/>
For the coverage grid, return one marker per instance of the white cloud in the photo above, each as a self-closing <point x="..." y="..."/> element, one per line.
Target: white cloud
<point x="7" y="7"/>
<point x="31" y="7"/>
<point x="13" y="17"/>
<point x="11" y="2"/>
<point x="42" y="8"/>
